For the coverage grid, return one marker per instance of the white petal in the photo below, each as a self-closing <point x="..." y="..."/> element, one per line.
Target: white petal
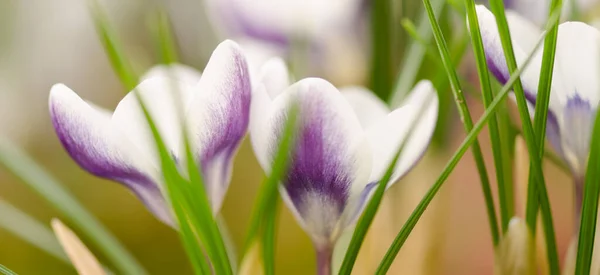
<point x="367" y="106"/>
<point x="578" y="62"/>
<point x="274" y="76"/>
<point x="218" y="116"/>
<point x="180" y="72"/>
<point x="386" y="136"/>
<point x="163" y="98"/>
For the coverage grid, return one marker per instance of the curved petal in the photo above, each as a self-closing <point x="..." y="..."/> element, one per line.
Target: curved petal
<point x="90" y="139"/>
<point x="330" y="164"/>
<point x="218" y="117"/>
<point x="522" y="33"/>
<point x="577" y="65"/>
<point x="163" y="98"/>
<point x="386" y="136"/>
<point x="275" y="76"/>
<point x="366" y="105"/>
<point x="180" y="72"/>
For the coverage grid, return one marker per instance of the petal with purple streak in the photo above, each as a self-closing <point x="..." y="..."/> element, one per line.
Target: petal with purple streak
<point x="330" y="164"/>
<point x="522" y="34"/>
<point x="88" y="135"/>
<point x="578" y="121"/>
<point x="218" y="116"/>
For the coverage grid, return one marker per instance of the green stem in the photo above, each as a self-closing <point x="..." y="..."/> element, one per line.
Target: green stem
<point x="381" y="67"/>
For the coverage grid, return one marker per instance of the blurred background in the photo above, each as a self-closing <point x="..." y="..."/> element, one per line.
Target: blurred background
<point x="48" y="42"/>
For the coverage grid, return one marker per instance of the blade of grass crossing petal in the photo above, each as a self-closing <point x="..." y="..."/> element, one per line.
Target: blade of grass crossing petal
<point x="5" y="271"/>
<point x="467" y="142"/>
<point x="30" y="230"/>
<point x="179" y="194"/>
<point x="202" y="213"/>
<point x="589" y="211"/>
<point x="365" y="220"/>
<point x="112" y="47"/>
<point x="537" y="192"/>
<point x="465" y="118"/>
<point x="165" y="39"/>
<point x="486" y="88"/>
<point x="86" y="225"/>
<point x="413" y="58"/>
<point x="262" y="217"/>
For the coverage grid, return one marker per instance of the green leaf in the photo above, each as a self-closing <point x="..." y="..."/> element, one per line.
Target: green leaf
<point x="164" y="38"/>
<point x="78" y="218"/>
<point x="365" y="220"/>
<point x="109" y="40"/>
<point x="381" y="49"/>
<point x="30" y="230"/>
<point x="413" y="58"/>
<point x="537" y="187"/>
<point x="469" y="140"/>
<point x="488" y="95"/>
<point x="589" y="210"/>
<point x="5" y="271"/>
<point x="465" y="118"/>
<point x="265" y="208"/>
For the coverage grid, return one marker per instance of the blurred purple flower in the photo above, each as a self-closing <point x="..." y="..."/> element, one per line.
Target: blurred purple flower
<point x="575" y="83"/>
<point x="119" y="146"/>
<point x="345" y="142"/>
<point x="538" y="10"/>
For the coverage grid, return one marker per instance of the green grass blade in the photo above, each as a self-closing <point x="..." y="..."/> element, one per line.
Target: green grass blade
<point x="469" y="140"/>
<point x="589" y="210"/>
<point x="264" y="213"/>
<point x="381" y="67"/>
<point x="164" y="38"/>
<point x="486" y="89"/>
<point x="365" y="220"/>
<point x="30" y="230"/>
<point x="537" y="187"/>
<point x="86" y="225"/>
<point x="5" y="271"/>
<point x="413" y="58"/>
<point x="465" y="118"/>
<point x="109" y="40"/>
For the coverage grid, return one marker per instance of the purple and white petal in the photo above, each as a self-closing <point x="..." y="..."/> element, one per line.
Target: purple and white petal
<point x="88" y="135"/>
<point x="366" y="105"/>
<point x="386" y="137"/>
<point x="218" y="117"/>
<point x="331" y="161"/>
<point x="524" y="36"/>
<point x="180" y="72"/>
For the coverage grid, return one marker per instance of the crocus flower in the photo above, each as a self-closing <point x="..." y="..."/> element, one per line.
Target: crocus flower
<point x="575" y="84"/>
<point x="119" y="146"/>
<point x="344" y="143"/>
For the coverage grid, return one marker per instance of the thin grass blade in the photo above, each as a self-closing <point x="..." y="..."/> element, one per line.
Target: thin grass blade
<point x="589" y="210"/>
<point x="365" y="220"/>
<point x="413" y="58"/>
<point x="488" y="95"/>
<point x="30" y="230"/>
<point x="5" y="271"/>
<point x="465" y="118"/>
<point x="468" y="141"/>
<point x="86" y="225"/>
<point x="165" y="39"/>
<point x="84" y="261"/>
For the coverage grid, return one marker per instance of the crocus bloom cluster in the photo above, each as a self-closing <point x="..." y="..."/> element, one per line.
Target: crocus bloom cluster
<point x="575" y="85"/>
<point x="118" y="146"/>
<point x="344" y="143"/>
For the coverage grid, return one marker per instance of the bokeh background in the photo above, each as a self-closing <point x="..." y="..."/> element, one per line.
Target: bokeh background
<point x="47" y="42"/>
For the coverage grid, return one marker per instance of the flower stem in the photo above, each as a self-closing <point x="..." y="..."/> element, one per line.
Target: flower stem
<point x="324" y="254"/>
